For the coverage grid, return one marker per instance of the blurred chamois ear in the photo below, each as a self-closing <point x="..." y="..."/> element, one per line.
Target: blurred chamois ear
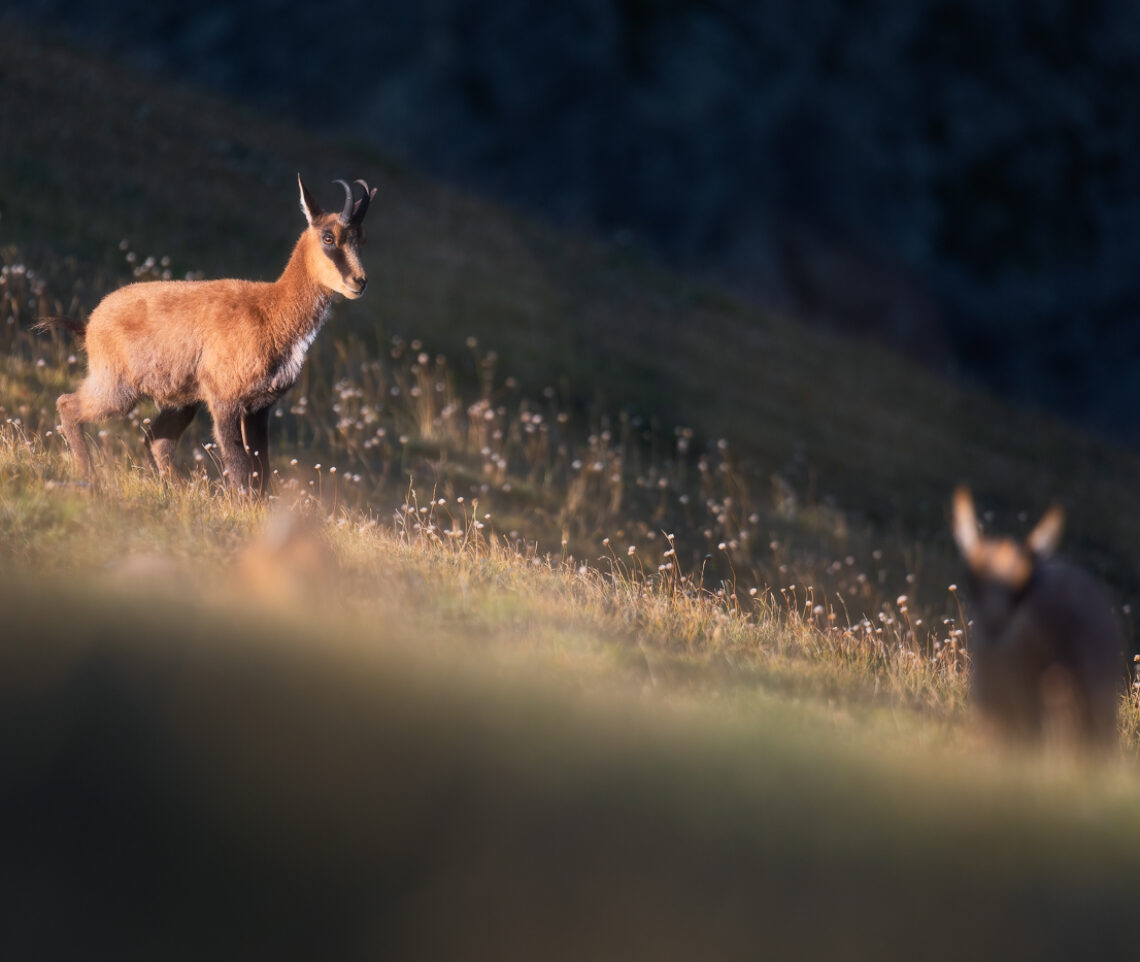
<point x="965" y="525"/>
<point x="289" y="562"/>
<point x="1044" y="538"/>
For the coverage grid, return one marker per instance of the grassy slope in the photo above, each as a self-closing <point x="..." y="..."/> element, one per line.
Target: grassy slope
<point x="519" y="744"/>
<point x="93" y="156"/>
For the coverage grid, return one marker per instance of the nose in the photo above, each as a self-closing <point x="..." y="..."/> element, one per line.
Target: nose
<point x="360" y="283"/>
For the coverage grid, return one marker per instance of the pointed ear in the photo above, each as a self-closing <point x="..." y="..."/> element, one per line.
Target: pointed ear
<point x="356" y="215"/>
<point x="309" y="206"/>
<point x="965" y="524"/>
<point x="360" y="208"/>
<point x="1043" y="539"/>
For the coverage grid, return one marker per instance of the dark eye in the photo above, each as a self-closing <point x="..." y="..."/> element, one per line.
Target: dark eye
<point x="328" y="239"/>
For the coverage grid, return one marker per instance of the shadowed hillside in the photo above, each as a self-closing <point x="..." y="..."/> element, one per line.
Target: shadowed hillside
<point x="956" y="179"/>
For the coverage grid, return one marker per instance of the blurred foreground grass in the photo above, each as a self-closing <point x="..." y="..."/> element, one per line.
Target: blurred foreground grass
<point x="185" y="779"/>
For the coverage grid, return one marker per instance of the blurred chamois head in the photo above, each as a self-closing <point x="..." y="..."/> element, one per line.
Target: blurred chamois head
<point x="1045" y="646"/>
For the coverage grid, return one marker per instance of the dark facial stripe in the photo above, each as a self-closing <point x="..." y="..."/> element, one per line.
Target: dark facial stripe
<point x="343" y="263"/>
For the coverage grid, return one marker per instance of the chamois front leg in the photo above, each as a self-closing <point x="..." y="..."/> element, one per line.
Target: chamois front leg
<point x="255" y="429"/>
<point x="227" y="432"/>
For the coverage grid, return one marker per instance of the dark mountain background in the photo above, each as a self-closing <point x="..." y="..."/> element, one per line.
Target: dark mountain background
<point x="958" y="179"/>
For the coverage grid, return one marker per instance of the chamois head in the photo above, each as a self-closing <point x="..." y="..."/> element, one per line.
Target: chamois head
<point x="1000" y="569"/>
<point x="335" y="240"/>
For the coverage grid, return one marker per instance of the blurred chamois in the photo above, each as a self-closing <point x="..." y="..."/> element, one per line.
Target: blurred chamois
<point x="236" y="346"/>
<point x="1046" y="650"/>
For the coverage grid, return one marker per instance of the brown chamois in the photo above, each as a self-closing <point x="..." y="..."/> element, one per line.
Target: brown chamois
<point x="1046" y="650"/>
<point x="235" y="346"/>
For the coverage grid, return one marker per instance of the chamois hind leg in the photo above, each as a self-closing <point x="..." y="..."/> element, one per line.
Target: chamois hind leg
<point x="227" y="431"/>
<point x="94" y="401"/>
<point x="71" y="421"/>
<point x="165" y="430"/>
<point x="255" y="430"/>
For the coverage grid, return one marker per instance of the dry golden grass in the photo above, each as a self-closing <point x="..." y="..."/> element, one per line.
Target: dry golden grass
<point x="653" y="551"/>
<point x="611" y="624"/>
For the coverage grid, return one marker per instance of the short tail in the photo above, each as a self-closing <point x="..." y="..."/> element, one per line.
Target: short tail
<point x="45" y="324"/>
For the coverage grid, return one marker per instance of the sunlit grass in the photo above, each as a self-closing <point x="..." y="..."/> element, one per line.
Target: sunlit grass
<point x="442" y="478"/>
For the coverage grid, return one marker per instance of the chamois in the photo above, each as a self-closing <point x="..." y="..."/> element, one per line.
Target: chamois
<point x="235" y="346"/>
<point x="1046" y="649"/>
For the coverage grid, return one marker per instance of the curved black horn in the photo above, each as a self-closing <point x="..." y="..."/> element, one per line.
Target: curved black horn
<point x="345" y="216"/>
<point x="362" y="205"/>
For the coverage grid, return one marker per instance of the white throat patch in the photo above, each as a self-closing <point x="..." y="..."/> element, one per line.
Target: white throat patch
<point x="290" y="368"/>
